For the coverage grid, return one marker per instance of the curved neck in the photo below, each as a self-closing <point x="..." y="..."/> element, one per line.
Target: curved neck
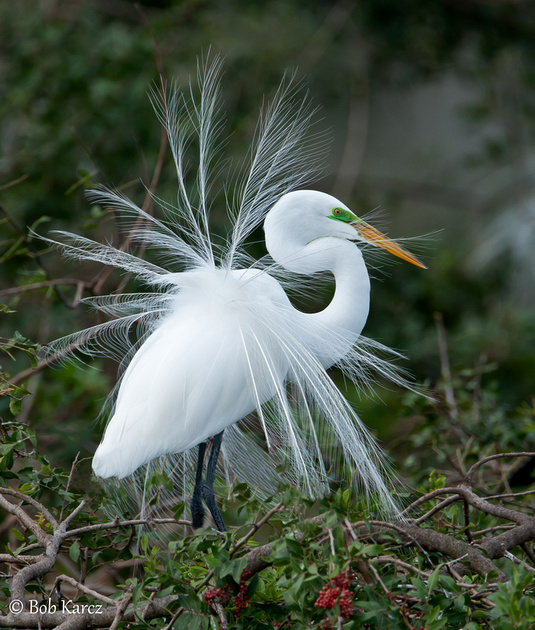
<point x="348" y="310"/>
<point x="338" y="325"/>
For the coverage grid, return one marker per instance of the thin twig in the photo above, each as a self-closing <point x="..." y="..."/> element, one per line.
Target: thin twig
<point x="151" y="598"/>
<point x="117" y="523"/>
<point x="528" y="552"/>
<point x="255" y="527"/>
<point x="14" y="182"/>
<point x="513" y="558"/>
<point x="84" y="589"/>
<point x="378" y="578"/>
<point x="437" y="508"/>
<point x="69" y="480"/>
<point x="485" y="460"/>
<point x="491" y="530"/>
<point x="331" y="539"/>
<point x="350" y="529"/>
<point x="466" y="514"/>
<point x="511" y="495"/>
<point x="176" y="615"/>
<point x="44" y="363"/>
<point x="445" y="366"/>
<point x="42" y="285"/>
<point x="474" y="500"/>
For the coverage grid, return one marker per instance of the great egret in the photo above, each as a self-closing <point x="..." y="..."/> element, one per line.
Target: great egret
<point x="220" y="341"/>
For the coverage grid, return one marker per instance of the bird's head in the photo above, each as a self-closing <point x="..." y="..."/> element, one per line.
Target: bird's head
<point x="302" y="216"/>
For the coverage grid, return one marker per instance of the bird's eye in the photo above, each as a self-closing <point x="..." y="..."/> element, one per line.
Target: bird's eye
<point x="337" y="212"/>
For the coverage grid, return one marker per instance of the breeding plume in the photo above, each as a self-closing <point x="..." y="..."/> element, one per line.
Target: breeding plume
<point x="222" y="357"/>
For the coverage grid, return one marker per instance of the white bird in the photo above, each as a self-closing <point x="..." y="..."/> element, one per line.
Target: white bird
<point x="220" y="341"/>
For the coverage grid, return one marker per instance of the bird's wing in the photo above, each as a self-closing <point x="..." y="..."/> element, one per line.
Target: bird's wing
<point x="189" y="381"/>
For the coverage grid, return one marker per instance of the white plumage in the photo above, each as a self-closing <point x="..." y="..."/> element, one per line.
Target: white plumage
<point x="191" y="378"/>
<point x="219" y="340"/>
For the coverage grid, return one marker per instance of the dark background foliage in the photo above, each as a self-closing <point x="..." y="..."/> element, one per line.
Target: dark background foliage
<point x="431" y="109"/>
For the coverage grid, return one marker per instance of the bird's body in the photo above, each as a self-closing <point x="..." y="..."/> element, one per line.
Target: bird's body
<point x="171" y="397"/>
<point x="220" y="342"/>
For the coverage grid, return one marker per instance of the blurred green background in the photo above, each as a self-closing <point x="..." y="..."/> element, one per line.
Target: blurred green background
<point x="431" y="109"/>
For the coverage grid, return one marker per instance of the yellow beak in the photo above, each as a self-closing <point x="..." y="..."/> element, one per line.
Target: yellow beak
<point x="377" y="238"/>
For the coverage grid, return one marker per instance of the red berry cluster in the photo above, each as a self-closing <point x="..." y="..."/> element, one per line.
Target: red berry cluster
<point x="241" y="600"/>
<point x="216" y="595"/>
<point x="337" y="591"/>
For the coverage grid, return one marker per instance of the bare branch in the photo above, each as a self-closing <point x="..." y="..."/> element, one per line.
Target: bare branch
<point x="84" y="589"/>
<point x="481" y="462"/>
<point x="20" y="559"/>
<point x="449" y="546"/>
<point x="497" y="546"/>
<point x="222" y="616"/>
<point x="475" y="501"/>
<point x="43" y="363"/>
<point x="121" y="608"/>
<point x="69" y="480"/>
<point x="439" y="507"/>
<point x="255" y="527"/>
<point x="46" y="284"/>
<point x="117" y="523"/>
<point x="71" y="517"/>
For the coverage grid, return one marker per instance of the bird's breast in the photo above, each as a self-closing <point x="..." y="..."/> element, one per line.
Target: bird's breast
<point x="236" y="289"/>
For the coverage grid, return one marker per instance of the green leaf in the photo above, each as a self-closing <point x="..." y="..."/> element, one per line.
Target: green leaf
<point x="27" y="488"/>
<point x="8" y="448"/>
<point x="253" y="585"/>
<point x="280" y="553"/>
<point x="292" y="595"/>
<point x="6" y="462"/>
<point x="225" y="568"/>
<point x="420" y="587"/>
<point x="190" y="602"/>
<point x="74" y="551"/>
<point x="434" y="614"/>
<point x="187" y="621"/>
<point x="432" y="582"/>
<point x="448" y="583"/>
<point x="373" y="550"/>
<point x="15" y="406"/>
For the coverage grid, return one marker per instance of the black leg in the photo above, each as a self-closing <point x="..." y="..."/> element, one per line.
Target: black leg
<point x="205" y="489"/>
<point x="208" y="487"/>
<point x="197" y="509"/>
